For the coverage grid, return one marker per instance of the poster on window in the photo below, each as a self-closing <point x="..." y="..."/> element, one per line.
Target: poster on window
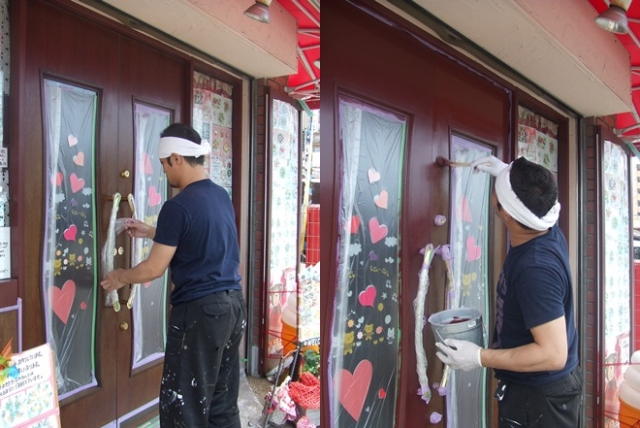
<point x="212" y="118"/>
<point x="537" y="139"/>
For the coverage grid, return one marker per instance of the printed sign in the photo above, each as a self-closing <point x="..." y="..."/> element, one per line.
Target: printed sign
<point x="31" y="398"/>
<point x="5" y="253"/>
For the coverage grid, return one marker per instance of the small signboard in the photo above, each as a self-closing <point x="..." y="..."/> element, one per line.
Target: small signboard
<point x="5" y="253"/>
<point x="29" y="398"/>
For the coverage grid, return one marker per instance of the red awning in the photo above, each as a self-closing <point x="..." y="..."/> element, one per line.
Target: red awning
<point x="305" y="85"/>
<point x="628" y="124"/>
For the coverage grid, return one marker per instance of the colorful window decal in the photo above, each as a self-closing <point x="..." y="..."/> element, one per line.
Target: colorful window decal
<point x="537" y="139"/>
<point x="617" y="279"/>
<point x="284" y="208"/>
<point x="366" y="329"/>
<point x="470" y="199"/>
<point x="212" y="118"/>
<point x="70" y="257"/>
<point x="150" y="191"/>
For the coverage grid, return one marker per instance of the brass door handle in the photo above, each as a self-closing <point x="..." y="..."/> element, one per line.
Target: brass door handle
<point x="125" y="174"/>
<point x="124" y="326"/>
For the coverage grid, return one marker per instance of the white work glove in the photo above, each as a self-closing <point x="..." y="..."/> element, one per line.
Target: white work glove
<point x="490" y="164"/>
<point x="459" y="354"/>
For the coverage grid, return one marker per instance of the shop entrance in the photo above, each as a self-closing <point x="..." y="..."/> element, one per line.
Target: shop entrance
<point x="387" y="199"/>
<point x="98" y="104"/>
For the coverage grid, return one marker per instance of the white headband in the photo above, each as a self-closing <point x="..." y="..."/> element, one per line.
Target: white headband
<point x="182" y="147"/>
<point x="514" y="206"/>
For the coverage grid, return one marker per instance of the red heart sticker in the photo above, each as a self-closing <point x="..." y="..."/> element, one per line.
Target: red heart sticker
<point x="354" y="387"/>
<point x="473" y="251"/>
<point x="76" y="183"/>
<point x="368" y="296"/>
<point x="378" y="231"/>
<point x="382" y="393"/>
<point x="355" y="224"/>
<point x="70" y="233"/>
<point x="62" y="300"/>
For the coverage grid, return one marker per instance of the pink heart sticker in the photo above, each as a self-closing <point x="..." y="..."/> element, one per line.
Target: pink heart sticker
<point x="62" y="300"/>
<point x="79" y="159"/>
<point x="59" y="178"/>
<point x="373" y="175"/>
<point x="473" y="250"/>
<point x="70" y="233"/>
<point x="148" y="168"/>
<point x="377" y="230"/>
<point x="368" y="296"/>
<point x="154" y="197"/>
<point x="381" y="199"/>
<point x="355" y="224"/>
<point x="72" y="140"/>
<point x="465" y="212"/>
<point x="76" y="183"/>
<point x="354" y="387"/>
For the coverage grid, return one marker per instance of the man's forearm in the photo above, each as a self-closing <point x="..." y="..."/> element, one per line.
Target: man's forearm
<point x="143" y="272"/>
<point x="527" y="358"/>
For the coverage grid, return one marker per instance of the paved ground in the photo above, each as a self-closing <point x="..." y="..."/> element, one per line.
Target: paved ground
<point x="250" y="405"/>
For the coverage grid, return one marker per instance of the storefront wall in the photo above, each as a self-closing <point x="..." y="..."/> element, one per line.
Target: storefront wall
<point x="394" y="100"/>
<point x="88" y="96"/>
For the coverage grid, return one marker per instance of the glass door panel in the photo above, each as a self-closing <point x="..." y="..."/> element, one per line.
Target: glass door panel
<point x="150" y="192"/>
<point x="70" y="256"/>
<point x="365" y="351"/>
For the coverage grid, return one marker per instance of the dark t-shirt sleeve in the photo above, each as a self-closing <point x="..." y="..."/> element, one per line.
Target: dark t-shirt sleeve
<point x="171" y="221"/>
<point x="539" y="294"/>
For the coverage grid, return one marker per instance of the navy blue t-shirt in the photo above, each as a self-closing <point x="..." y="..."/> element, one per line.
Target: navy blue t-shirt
<point x="535" y="287"/>
<point x="200" y="223"/>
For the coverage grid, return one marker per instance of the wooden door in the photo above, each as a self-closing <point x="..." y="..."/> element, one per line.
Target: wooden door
<point x="398" y="100"/>
<point x="98" y="100"/>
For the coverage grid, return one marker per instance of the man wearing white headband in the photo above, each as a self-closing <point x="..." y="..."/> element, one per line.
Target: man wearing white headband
<point x="535" y="344"/>
<point x="196" y="236"/>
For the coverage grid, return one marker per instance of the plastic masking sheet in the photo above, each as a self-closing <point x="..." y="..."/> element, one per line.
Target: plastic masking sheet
<point x="364" y="347"/>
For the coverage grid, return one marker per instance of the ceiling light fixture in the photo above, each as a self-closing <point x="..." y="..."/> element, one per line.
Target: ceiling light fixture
<point x="614" y="19"/>
<point x="259" y="11"/>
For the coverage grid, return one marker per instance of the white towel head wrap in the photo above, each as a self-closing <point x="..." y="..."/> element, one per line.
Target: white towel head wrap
<point x="182" y="147"/>
<point x="516" y="208"/>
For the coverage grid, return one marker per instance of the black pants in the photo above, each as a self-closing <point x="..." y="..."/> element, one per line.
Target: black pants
<point x="556" y="405"/>
<point x="201" y="377"/>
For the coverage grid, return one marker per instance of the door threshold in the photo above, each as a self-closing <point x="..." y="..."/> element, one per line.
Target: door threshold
<point x="145" y="416"/>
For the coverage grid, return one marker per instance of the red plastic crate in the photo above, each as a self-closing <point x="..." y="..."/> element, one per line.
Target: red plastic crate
<point x="313" y="234"/>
